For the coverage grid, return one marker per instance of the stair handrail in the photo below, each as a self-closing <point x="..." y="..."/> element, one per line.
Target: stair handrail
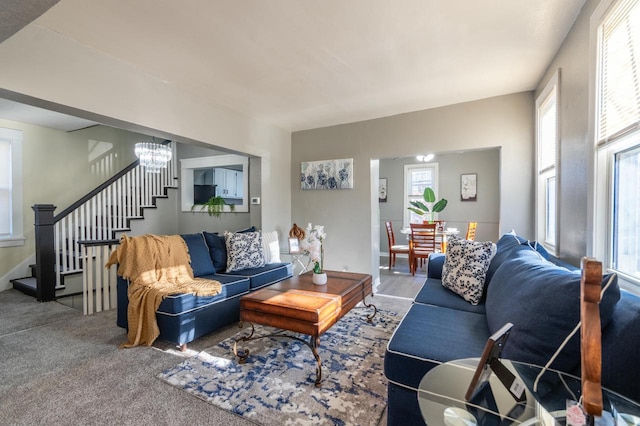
<point x="100" y="188"/>
<point x="95" y="191"/>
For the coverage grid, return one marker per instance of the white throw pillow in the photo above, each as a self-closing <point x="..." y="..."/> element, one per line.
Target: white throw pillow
<point x="271" y="247"/>
<point x="465" y="268"/>
<point x="244" y="250"/>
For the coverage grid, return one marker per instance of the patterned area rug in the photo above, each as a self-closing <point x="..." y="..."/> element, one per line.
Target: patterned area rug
<point x="276" y="384"/>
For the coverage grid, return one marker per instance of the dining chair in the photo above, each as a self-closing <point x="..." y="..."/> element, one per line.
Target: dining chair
<point x="471" y="231"/>
<point x="422" y="244"/>
<point x="395" y="248"/>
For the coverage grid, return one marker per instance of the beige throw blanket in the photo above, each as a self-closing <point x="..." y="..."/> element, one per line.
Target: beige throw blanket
<point x="156" y="266"/>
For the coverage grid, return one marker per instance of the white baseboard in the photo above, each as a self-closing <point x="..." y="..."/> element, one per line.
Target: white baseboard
<point x="21" y="270"/>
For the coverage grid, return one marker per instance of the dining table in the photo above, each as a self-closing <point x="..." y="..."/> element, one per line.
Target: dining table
<point x="442" y="234"/>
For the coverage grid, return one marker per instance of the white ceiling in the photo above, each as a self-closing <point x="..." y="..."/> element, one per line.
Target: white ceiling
<point x="301" y="64"/>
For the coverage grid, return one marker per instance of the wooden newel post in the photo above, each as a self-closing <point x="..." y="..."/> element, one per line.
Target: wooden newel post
<point x="45" y="253"/>
<point x="590" y="333"/>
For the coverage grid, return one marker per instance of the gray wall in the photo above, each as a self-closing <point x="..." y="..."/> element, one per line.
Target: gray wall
<point x="576" y="146"/>
<point x="457" y="214"/>
<point x="505" y="122"/>
<point x="168" y="218"/>
<point x="197" y="221"/>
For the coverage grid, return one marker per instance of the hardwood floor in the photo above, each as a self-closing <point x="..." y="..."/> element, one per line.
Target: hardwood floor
<point x="398" y="281"/>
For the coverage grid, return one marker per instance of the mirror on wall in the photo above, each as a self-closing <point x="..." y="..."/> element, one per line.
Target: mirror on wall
<point x="220" y="175"/>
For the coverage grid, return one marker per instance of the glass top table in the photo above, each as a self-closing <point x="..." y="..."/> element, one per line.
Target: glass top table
<point x="442" y="402"/>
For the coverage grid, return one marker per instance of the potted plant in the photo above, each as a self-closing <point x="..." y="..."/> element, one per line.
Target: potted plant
<point x="214" y="206"/>
<point x="313" y="247"/>
<point x="430" y="206"/>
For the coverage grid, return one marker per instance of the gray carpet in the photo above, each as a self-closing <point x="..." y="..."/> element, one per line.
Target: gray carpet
<point x="60" y="367"/>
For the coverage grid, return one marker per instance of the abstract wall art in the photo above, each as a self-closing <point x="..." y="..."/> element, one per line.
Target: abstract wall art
<point x="327" y="174"/>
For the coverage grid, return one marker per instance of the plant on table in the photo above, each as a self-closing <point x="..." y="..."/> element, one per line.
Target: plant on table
<point x="430" y="206"/>
<point x="312" y="246"/>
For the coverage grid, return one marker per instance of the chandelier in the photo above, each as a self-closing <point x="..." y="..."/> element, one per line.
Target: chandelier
<point x="153" y="156"/>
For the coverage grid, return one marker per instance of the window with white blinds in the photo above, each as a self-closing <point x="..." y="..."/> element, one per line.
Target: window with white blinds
<point x="547" y="147"/>
<point x="547" y="131"/>
<point x="416" y="178"/>
<point x="619" y="91"/>
<point x="11" y="188"/>
<point x="617" y="136"/>
<point x="5" y="188"/>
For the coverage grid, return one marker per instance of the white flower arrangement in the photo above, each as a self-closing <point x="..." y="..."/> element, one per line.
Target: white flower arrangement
<point x="312" y="246"/>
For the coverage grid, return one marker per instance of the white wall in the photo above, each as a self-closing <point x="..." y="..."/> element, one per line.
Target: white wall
<point x="43" y="68"/>
<point x="505" y="122"/>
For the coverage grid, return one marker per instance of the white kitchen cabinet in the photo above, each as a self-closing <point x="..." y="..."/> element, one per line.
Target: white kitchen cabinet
<point x="229" y="182"/>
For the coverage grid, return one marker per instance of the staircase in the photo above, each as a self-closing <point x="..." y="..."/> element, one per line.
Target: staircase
<point x="78" y="240"/>
<point x="27" y="285"/>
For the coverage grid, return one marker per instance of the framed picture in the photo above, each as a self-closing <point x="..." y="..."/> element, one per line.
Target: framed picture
<point x="327" y="174"/>
<point x="492" y="350"/>
<point x="469" y="187"/>
<point x="294" y="245"/>
<point x="382" y="190"/>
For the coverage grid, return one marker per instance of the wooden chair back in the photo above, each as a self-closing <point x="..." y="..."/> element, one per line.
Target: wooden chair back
<point x="423" y="238"/>
<point x="422" y="244"/>
<point x="390" y="237"/>
<point x="393" y="248"/>
<point x="471" y="231"/>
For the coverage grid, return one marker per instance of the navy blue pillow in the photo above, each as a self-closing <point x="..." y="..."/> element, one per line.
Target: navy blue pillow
<point x="505" y="244"/>
<point x="199" y="253"/>
<point x="542" y="301"/>
<point x="244" y="231"/>
<point x="217" y="250"/>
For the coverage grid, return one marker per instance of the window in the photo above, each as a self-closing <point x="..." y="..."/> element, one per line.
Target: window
<point x="10" y="188"/>
<point x="617" y="138"/>
<point x="417" y="177"/>
<point x="547" y="142"/>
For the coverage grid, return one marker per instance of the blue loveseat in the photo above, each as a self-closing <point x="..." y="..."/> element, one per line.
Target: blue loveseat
<point x="183" y="318"/>
<point x="525" y="286"/>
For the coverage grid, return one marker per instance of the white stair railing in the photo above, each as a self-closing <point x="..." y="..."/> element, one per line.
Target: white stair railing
<point x="98" y="217"/>
<point x="99" y="291"/>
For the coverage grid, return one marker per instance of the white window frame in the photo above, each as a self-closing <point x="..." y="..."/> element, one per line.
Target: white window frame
<point x="600" y="245"/>
<point x="15" y="237"/>
<point x="434" y="186"/>
<point x="551" y="93"/>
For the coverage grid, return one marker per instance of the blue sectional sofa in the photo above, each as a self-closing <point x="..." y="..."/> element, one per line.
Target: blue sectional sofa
<point x="183" y="318"/>
<point x="525" y="286"/>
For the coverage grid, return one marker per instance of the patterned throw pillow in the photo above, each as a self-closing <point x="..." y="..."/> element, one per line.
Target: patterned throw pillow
<point x="244" y="250"/>
<point x="271" y="247"/>
<point x="465" y="268"/>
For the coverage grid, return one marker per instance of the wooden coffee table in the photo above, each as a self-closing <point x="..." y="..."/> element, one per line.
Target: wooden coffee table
<point x="298" y="305"/>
